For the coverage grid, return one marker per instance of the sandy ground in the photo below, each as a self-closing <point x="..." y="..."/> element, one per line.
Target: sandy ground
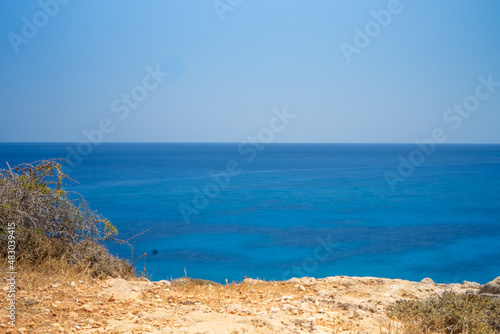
<point x="330" y="305"/>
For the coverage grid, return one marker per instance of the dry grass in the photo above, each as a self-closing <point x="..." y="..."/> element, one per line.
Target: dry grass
<point x="32" y="296"/>
<point x="449" y="313"/>
<point x="54" y="271"/>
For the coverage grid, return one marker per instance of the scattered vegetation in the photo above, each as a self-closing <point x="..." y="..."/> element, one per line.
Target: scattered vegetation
<point x="50" y="224"/>
<point x="449" y="313"/>
<point x="194" y="281"/>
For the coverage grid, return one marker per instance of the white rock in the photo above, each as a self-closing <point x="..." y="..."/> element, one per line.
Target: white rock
<point x="308" y="280"/>
<point x="294" y="280"/>
<point x="253" y="281"/>
<point x="165" y="283"/>
<point x="427" y="280"/>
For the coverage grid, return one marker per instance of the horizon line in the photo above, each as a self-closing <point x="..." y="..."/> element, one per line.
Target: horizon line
<point x="233" y="142"/>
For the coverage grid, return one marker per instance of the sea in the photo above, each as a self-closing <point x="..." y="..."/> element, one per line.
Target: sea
<point x="226" y="211"/>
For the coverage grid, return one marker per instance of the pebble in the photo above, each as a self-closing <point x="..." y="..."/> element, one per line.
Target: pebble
<point x="165" y="283"/>
<point x="471" y="285"/>
<point x="427" y="280"/>
<point x="87" y="308"/>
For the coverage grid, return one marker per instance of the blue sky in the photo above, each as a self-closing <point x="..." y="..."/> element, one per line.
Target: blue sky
<point x="228" y="70"/>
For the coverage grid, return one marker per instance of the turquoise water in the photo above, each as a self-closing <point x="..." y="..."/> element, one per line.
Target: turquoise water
<point x="295" y="209"/>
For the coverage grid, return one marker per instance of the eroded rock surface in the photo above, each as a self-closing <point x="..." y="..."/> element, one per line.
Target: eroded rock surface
<point x="337" y="304"/>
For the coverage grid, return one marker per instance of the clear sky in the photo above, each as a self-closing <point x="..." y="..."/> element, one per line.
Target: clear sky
<point x="350" y="71"/>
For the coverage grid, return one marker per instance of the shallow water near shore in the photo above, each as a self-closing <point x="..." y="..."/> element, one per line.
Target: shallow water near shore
<point x="295" y="209"/>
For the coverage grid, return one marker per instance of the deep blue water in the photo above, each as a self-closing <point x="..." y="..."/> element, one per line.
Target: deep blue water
<point x="295" y="209"/>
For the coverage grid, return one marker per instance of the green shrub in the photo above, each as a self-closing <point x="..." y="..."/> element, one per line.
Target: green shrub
<point x="448" y="313"/>
<point x="51" y="223"/>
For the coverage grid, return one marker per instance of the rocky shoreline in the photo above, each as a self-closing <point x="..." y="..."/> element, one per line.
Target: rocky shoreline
<point x="338" y="304"/>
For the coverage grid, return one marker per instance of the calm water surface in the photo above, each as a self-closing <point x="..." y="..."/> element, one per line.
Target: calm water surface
<point x="295" y="209"/>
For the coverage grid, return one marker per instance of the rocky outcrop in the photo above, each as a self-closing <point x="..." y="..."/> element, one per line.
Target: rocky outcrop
<point x="492" y="287"/>
<point x="119" y="288"/>
<point x="427" y="280"/>
<point x="195" y="281"/>
<point x="471" y="285"/>
<point x="338" y="304"/>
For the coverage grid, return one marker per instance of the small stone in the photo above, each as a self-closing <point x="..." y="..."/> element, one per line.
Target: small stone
<point x="302" y="288"/>
<point x="252" y="280"/>
<point x="427" y="280"/>
<point x="470" y="285"/>
<point x="72" y="283"/>
<point x="87" y="308"/>
<point x="165" y="283"/>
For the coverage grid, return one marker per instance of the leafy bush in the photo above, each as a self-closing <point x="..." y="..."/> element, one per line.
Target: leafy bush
<point x="51" y="223"/>
<point x="449" y="313"/>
